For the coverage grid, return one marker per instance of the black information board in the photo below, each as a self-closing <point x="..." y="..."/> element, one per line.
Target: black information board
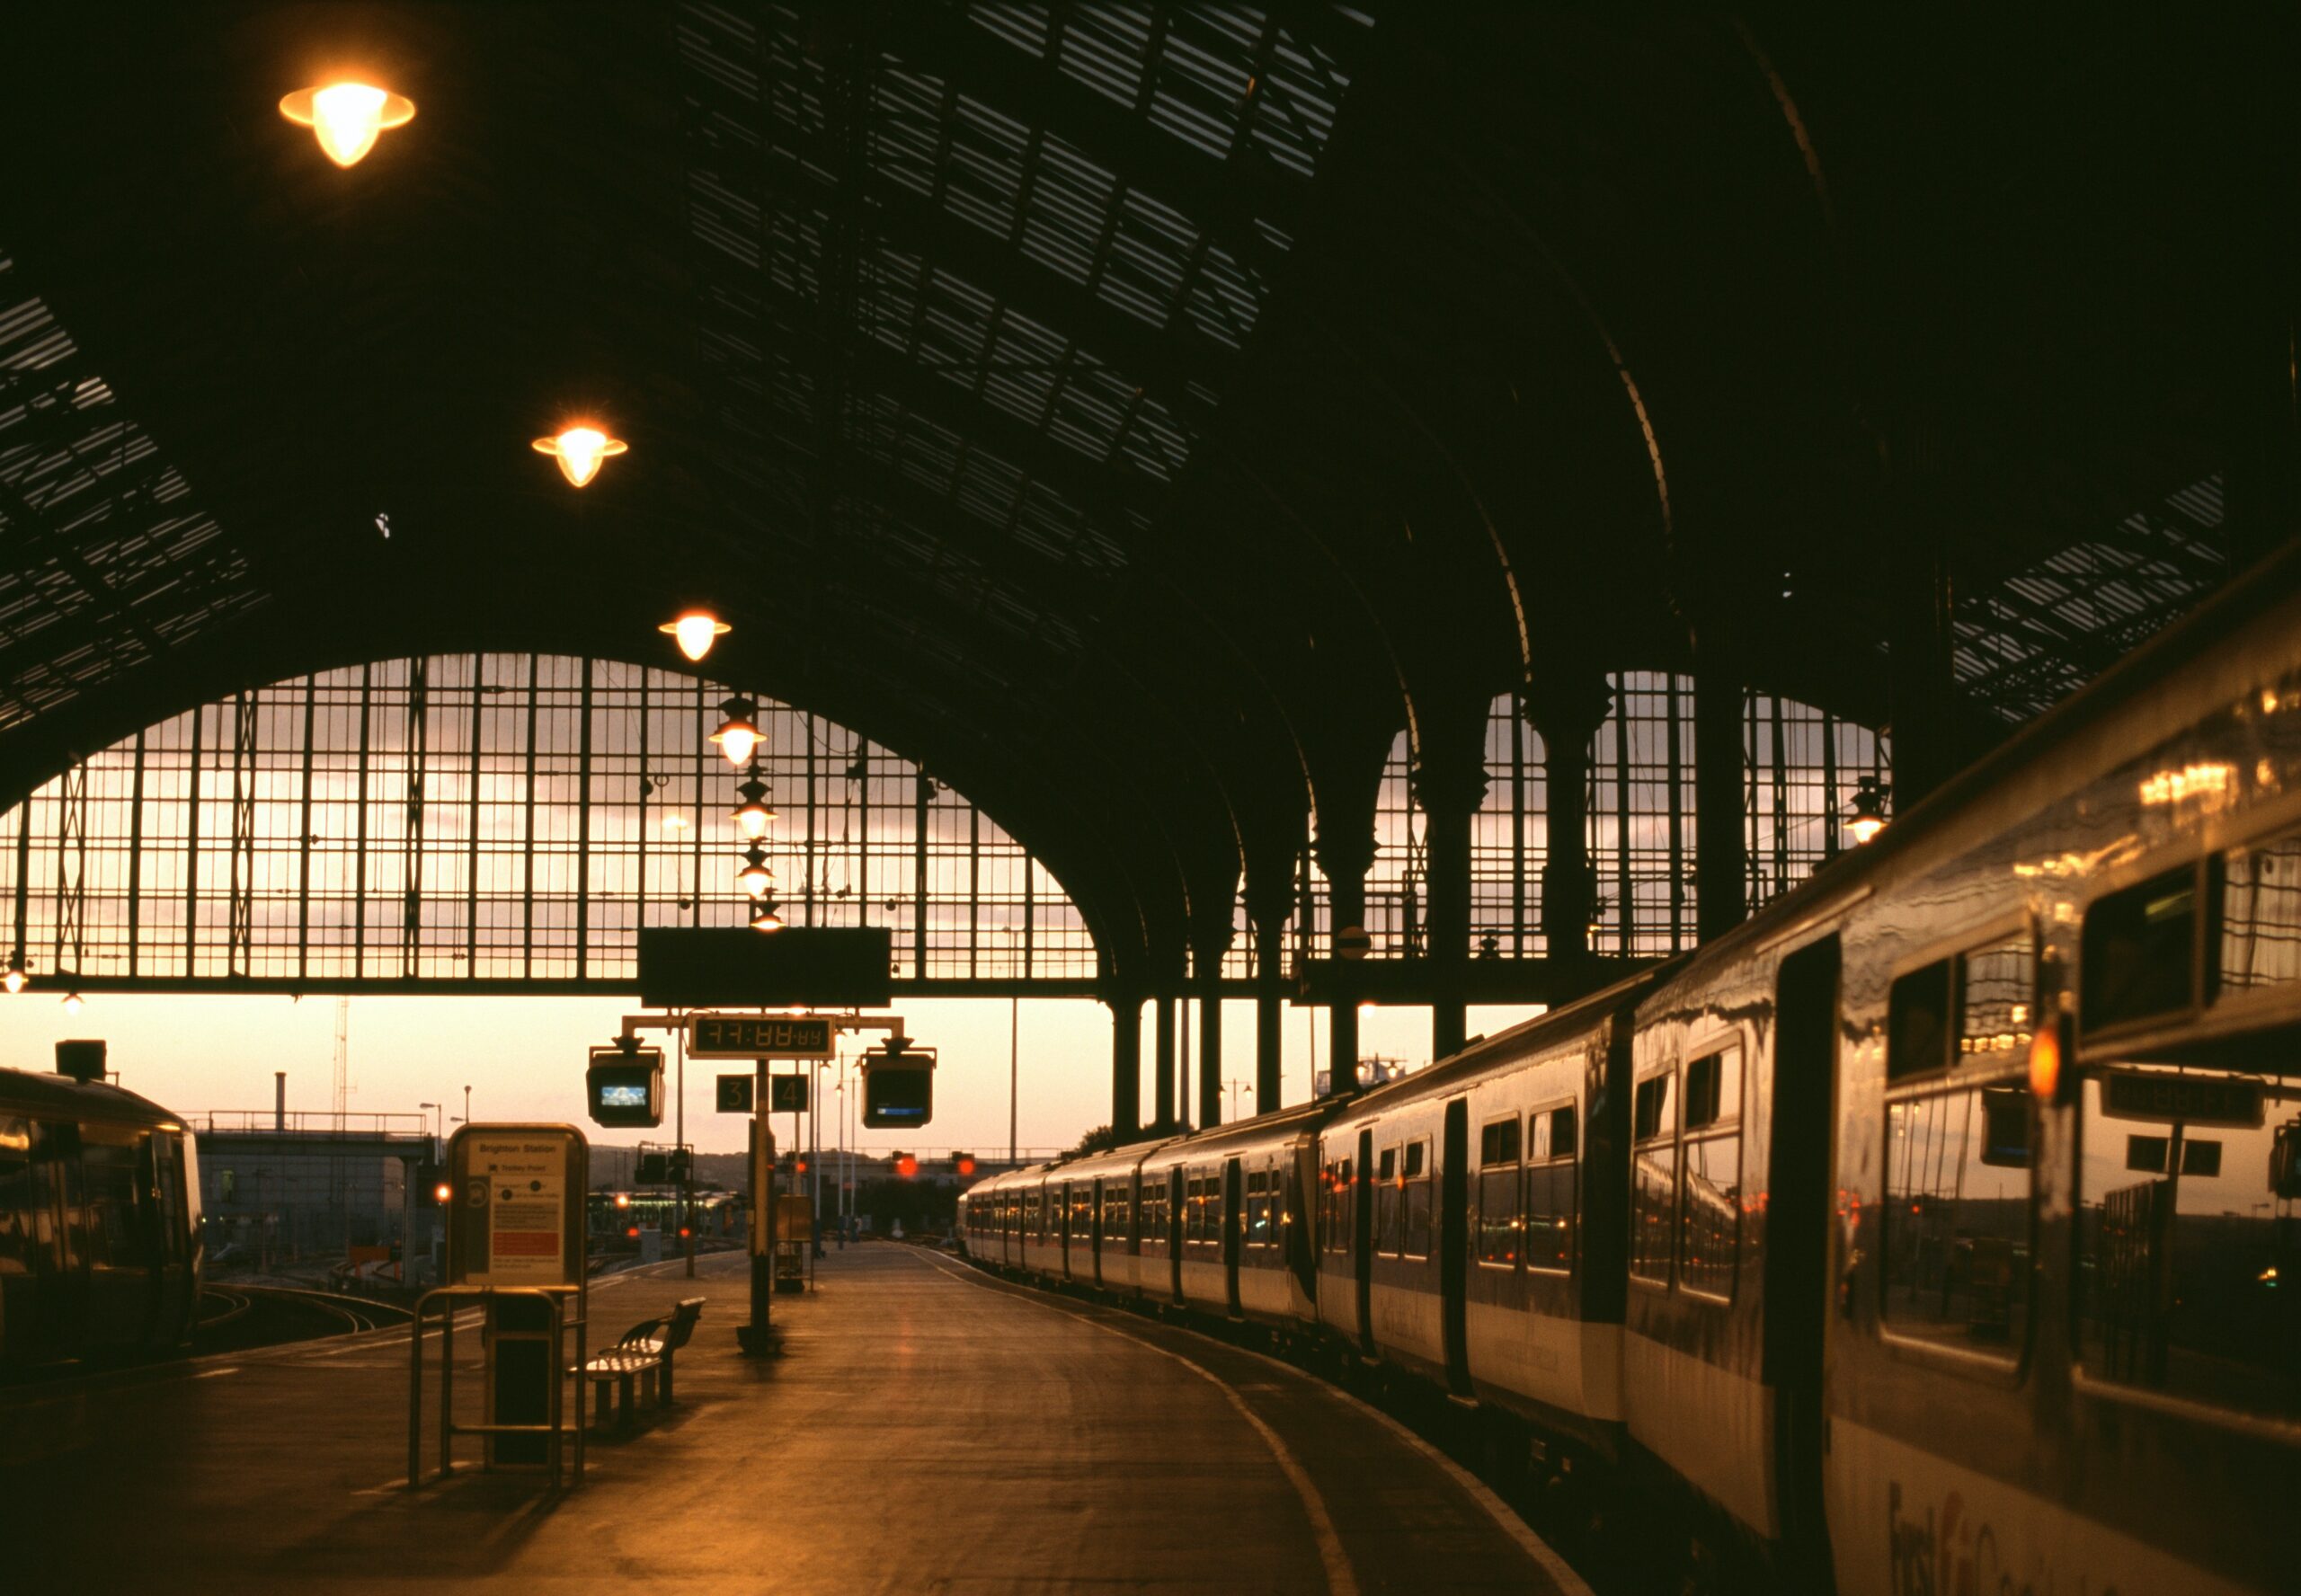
<point x="759" y="1036"/>
<point x="810" y="966"/>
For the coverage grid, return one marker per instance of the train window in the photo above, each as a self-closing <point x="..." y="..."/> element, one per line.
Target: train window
<point x="1115" y="1212"/>
<point x="1334" y="1210"/>
<point x="1550" y="1192"/>
<point x="1417" y="1242"/>
<point x="2136" y="950"/>
<point x="1917" y="1022"/>
<point x="2260" y="917"/>
<point x="15" y="1196"/>
<point x="1499" y="1222"/>
<point x="109" y="1186"/>
<point x="1654" y="1187"/>
<point x="1389" y="1203"/>
<point x="1262" y="1204"/>
<point x="1997" y="986"/>
<point x="1957" y="1220"/>
<point x="1710" y="1166"/>
<point x="2185" y="1259"/>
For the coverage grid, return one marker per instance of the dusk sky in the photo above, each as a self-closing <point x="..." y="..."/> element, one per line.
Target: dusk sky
<point x="524" y="1058"/>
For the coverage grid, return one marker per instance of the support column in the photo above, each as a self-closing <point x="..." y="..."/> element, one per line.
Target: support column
<point x="1210" y="1041"/>
<point x="1566" y="708"/>
<point x="1126" y="1066"/>
<point x="1163" y="1058"/>
<point x="1345" y="853"/>
<point x="1721" y="862"/>
<point x="1270" y="901"/>
<point x="1450" y="784"/>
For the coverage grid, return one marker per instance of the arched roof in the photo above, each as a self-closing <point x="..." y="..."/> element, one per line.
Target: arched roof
<point x="1139" y="412"/>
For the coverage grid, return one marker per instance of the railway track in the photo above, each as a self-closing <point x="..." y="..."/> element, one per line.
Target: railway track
<point x="238" y="1316"/>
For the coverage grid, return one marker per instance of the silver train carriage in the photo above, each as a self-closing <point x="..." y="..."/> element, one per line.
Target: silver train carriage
<point x="100" y="1242"/>
<point x="1934" y="1229"/>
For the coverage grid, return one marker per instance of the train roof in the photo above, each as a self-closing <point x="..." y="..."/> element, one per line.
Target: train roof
<point x="2015" y="775"/>
<point x="41" y="1092"/>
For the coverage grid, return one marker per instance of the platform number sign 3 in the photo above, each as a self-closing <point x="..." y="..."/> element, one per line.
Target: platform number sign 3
<point x="734" y="1094"/>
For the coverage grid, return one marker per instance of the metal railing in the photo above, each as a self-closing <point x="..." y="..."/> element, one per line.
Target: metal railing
<point x="554" y="1428"/>
<point x="311" y="1122"/>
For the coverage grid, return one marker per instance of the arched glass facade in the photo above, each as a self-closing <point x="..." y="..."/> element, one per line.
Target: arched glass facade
<point x="498" y="818"/>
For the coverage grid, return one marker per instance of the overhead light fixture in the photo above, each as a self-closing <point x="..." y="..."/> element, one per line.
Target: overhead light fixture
<point x="1867" y="817"/>
<point x="739" y="734"/>
<point x="580" y="450"/>
<point x="71" y="1003"/>
<point x="348" y="118"/>
<point x="753" y="816"/>
<point x="15" y="978"/>
<point x="694" y="631"/>
<point x="755" y="877"/>
<point x="674" y="821"/>
<point x="767" y="917"/>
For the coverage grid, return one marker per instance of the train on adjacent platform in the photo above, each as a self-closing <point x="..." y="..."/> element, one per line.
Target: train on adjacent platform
<point x="100" y="1241"/>
<point x="1934" y="1231"/>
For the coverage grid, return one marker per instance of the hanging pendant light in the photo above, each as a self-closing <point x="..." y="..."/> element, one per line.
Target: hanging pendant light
<point x="755" y="877"/>
<point x="15" y="978"/>
<point x="694" y="631"/>
<point x="753" y="816"/>
<point x="71" y="1003"/>
<point x="767" y="917"/>
<point x="348" y="118"/>
<point x="580" y="450"/>
<point x="1867" y="817"/>
<point x="739" y="734"/>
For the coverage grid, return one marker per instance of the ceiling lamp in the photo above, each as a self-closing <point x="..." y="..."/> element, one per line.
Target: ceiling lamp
<point x="674" y="821"/>
<point x="738" y="735"/>
<point x="767" y="917"/>
<point x="15" y="978"/>
<point x="71" y="1003"/>
<point x="755" y="877"/>
<point x="348" y="116"/>
<point x="580" y="450"/>
<point x="696" y="630"/>
<point x="753" y="816"/>
<point x="1867" y="817"/>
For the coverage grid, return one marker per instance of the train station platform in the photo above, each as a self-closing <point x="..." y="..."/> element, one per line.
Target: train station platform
<point x="925" y="1429"/>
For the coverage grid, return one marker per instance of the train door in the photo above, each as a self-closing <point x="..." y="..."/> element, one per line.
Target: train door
<point x="1797" y="1249"/>
<point x="1175" y="1233"/>
<point x="1454" y="1244"/>
<point x="1233" y="1229"/>
<point x="61" y="1236"/>
<point x="1094" y="1231"/>
<point x="1361" y="1239"/>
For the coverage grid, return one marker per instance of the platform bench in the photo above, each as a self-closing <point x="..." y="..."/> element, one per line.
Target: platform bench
<point x="649" y="1348"/>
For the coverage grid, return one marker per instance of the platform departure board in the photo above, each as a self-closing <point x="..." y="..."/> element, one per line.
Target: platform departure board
<point x="759" y="1036"/>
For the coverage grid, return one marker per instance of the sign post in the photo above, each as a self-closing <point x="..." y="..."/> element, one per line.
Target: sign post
<point x="516" y="1219"/>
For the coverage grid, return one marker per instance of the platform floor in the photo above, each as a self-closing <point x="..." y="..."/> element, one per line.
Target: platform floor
<point x="927" y="1429"/>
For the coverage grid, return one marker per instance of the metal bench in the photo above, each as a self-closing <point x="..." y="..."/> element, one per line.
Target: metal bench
<point x="648" y="1348"/>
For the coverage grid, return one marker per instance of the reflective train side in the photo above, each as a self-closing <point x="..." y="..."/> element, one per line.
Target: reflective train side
<point x="100" y="1241"/>
<point x="1935" y="1228"/>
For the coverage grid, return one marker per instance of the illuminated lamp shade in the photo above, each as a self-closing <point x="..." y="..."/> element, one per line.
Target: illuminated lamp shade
<point x="739" y="734"/>
<point x="1867" y="817"/>
<point x="767" y="917"/>
<point x="442" y="1192"/>
<point x="580" y="450"/>
<point x="71" y="1003"/>
<point x="348" y="118"/>
<point x="675" y="821"/>
<point x="14" y="979"/>
<point x="694" y="631"/>
<point x="755" y="877"/>
<point x="753" y="816"/>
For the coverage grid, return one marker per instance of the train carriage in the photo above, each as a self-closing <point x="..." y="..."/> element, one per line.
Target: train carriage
<point x="101" y="1252"/>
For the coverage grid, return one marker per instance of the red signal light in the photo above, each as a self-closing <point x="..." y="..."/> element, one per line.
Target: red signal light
<point x="803" y="1167"/>
<point x="685" y="1232"/>
<point x="633" y="1233"/>
<point x="906" y="1166"/>
<point x="442" y="1192"/>
<point x="964" y="1163"/>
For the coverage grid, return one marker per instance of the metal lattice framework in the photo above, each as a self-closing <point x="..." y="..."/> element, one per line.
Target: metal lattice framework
<point x="499" y="821"/>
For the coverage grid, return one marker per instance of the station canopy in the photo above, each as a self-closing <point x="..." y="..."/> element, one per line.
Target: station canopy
<point x="1135" y="414"/>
